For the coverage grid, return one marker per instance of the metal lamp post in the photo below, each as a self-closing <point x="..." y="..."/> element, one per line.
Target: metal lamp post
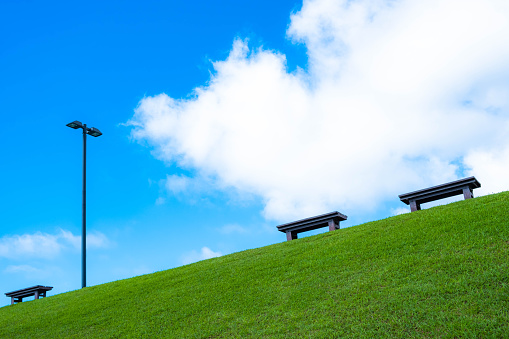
<point x="95" y="133"/>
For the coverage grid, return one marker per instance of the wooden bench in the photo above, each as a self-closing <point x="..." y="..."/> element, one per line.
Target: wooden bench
<point x="462" y="186"/>
<point x="331" y="219"/>
<point x="37" y="291"/>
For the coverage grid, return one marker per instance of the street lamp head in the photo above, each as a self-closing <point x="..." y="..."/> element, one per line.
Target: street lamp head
<point x="75" y="124"/>
<point x="94" y="132"/>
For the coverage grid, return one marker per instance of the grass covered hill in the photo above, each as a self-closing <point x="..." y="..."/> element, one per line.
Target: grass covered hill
<point x="436" y="273"/>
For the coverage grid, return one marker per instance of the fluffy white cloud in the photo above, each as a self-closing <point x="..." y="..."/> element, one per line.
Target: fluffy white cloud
<point x="492" y="165"/>
<point x="399" y="95"/>
<point x="44" y="245"/>
<point x="203" y="254"/>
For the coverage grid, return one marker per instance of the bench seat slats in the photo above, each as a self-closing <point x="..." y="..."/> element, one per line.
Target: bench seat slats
<point x="308" y="224"/>
<point x="37" y="291"/>
<point x="438" y="190"/>
<point x="28" y="290"/>
<point x="432" y="196"/>
<point x="304" y="227"/>
<point x="463" y="186"/>
<point x="324" y="218"/>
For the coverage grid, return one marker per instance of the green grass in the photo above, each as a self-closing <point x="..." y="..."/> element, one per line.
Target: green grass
<point x="437" y="273"/>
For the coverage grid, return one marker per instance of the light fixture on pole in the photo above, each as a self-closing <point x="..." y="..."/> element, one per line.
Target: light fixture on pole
<point x="95" y="133"/>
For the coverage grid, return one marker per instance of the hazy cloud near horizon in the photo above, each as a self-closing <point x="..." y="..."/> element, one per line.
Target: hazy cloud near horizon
<point x="45" y="245"/>
<point x="399" y="95"/>
<point x="203" y="254"/>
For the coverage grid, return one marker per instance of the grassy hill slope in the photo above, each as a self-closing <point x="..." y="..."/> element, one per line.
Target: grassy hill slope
<point x="437" y="273"/>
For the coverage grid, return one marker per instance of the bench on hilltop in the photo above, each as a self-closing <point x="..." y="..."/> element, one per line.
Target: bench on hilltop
<point x="37" y="291"/>
<point x="331" y="219"/>
<point x="463" y="186"/>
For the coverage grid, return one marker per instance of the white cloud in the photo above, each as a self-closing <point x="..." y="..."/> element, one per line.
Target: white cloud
<point x="400" y="210"/>
<point x="194" y="256"/>
<point x="38" y="244"/>
<point x="44" y="245"/>
<point x="95" y="239"/>
<point x="399" y="95"/>
<point x="490" y="167"/>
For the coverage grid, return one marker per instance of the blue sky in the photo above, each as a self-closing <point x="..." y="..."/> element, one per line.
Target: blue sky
<point x="223" y="119"/>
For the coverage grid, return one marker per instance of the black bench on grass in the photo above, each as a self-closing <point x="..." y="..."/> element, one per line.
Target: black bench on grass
<point x="38" y="291"/>
<point x="463" y="186"/>
<point x="331" y="219"/>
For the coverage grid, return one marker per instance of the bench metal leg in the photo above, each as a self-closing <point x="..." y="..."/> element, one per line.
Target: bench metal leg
<point x="414" y="206"/>
<point x="467" y="193"/>
<point x="291" y="235"/>
<point x="333" y="226"/>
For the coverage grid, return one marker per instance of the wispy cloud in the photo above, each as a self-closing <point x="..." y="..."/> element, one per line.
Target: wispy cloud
<point x="95" y="239"/>
<point x="233" y="228"/>
<point x="400" y="210"/>
<point x="160" y="201"/>
<point x="45" y="245"/>
<point x="21" y="269"/>
<point x="203" y="254"/>
<point x="178" y="183"/>
<point x="399" y="95"/>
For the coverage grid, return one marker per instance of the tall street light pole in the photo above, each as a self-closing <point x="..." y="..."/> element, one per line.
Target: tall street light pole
<point x="95" y="133"/>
